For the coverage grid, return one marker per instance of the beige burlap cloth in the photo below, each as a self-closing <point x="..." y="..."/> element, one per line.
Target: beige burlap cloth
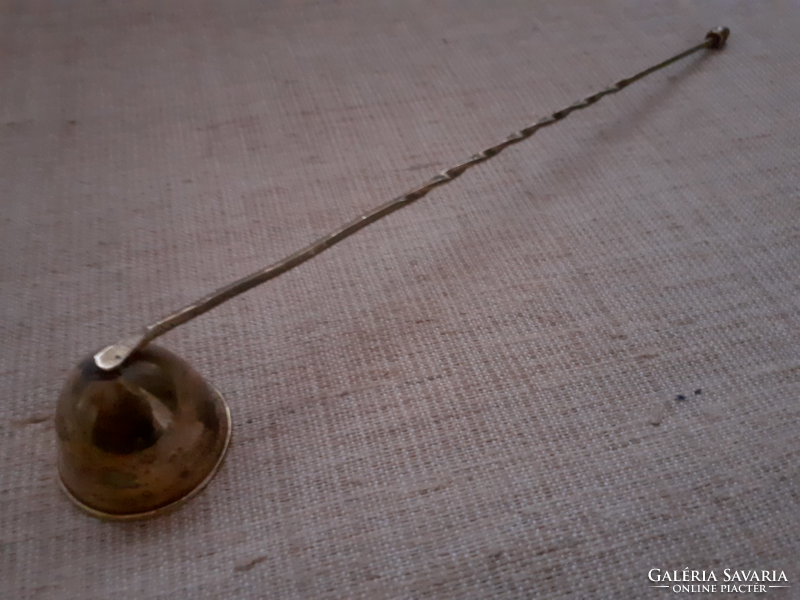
<point x="475" y="398"/>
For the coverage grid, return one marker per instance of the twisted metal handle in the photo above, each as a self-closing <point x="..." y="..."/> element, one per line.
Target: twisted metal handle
<point x="114" y="356"/>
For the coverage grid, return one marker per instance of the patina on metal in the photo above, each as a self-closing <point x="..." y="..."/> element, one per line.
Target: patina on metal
<point x="140" y="432"/>
<point x="141" y="439"/>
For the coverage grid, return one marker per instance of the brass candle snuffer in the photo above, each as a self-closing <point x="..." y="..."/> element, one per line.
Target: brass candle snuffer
<point x="140" y="432"/>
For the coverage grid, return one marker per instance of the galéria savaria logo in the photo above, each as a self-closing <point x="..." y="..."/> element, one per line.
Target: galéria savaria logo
<point x="725" y="581"/>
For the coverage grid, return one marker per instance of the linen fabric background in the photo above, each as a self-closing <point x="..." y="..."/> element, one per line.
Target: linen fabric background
<point x="475" y="398"/>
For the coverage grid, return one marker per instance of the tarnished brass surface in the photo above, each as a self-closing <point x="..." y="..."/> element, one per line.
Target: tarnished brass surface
<point x="141" y="439"/>
<point x="140" y="432"/>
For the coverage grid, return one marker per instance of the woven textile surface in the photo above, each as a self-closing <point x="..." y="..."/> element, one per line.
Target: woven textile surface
<point x="476" y="397"/>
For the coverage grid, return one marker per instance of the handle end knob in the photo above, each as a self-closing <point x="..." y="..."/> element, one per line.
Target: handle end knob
<point x="717" y="37"/>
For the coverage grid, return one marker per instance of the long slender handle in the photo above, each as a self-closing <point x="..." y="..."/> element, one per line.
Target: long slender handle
<point x="113" y="356"/>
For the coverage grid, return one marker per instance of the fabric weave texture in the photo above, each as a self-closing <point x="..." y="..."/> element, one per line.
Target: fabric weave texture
<point x="474" y="398"/>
